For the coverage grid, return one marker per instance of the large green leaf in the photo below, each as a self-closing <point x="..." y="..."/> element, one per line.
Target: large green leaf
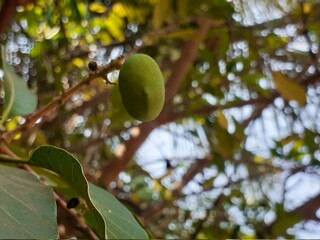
<point x="27" y="207"/>
<point x="64" y="164"/>
<point x="18" y="99"/>
<point x="105" y="214"/>
<point x="120" y="221"/>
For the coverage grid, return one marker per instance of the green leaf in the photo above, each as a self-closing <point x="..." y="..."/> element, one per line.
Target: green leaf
<point x="18" y="100"/>
<point x="120" y="221"/>
<point x="114" y="24"/>
<point x="189" y="33"/>
<point x="64" y="164"/>
<point x="309" y="139"/>
<point x="159" y="17"/>
<point x="8" y="89"/>
<point x="221" y="119"/>
<point x="284" y="221"/>
<point x="75" y="10"/>
<point x="289" y="89"/>
<point x="27" y="207"/>
<point x="223" y="141"/>
<point x="182" y="8"/>
<point x="51" y="178"/>
<point x="212" y="232"/>
<point x="105" y="214"/>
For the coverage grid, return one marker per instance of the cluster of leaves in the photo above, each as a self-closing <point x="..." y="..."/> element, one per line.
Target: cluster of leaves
<point x="240" y="126"/>
<point x="27" y="203"/>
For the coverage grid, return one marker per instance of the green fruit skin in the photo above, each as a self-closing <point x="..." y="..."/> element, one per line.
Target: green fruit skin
<point x="141" y="87"/>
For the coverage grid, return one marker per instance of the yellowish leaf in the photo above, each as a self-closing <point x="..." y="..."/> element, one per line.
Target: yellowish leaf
<point x="50" y="33"/>
<point x="168" y="195"/>
<point x="258" y="159"/>
<point x="223" y="141"/>
<point x="160" y="13"/>
<point x="78" y="62"/>
<point x="83" y="9"/>
<point x="119" y="9"/>
<point x="289" y="139"/>
<point x="222" y="120"/>
<point x="29" y="7"/>
<point x="12" y="124"/>
<point x="182" y="8"/>
<point x="289" y="89"/>
<point x="156" y="186"/>
<point x="307" y="8"/>
<point x="98" y="7"/>
<point x="87" y="95"/>
<point x="134" y="197"/>
<point x="114" y="25"/>
<point x="105" y="37"/>
<point x="183" y="34"/>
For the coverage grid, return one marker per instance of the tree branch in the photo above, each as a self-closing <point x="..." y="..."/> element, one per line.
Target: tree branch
<point x="74" y="217"/>
<point x="188" y="55"/>
<point x="31" y="119"/>
<point x="7" y="12"/>
<point x="197" y="167"/>
<point x="308" y="210"/>
<point x="8" y="9"/>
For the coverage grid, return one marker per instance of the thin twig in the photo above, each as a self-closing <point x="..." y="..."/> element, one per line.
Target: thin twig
<point x="55" y="102"/>
<point x="80" y="224"/>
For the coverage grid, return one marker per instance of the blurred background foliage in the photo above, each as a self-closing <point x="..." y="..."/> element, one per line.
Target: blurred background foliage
<point x="235" y="153"/>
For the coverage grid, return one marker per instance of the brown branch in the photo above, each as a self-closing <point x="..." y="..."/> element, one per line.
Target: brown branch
<point x="59" y="119"/>
<point x="188" y="55"/>
<point x="256" y="113"/>
<point x="178" y="74"/>
<point x="75" y="218"/>
<point x="308" y="210"/>
<point x="6" y="151"/>
<point x="260" y="100"/>
<point x="201" y="223"/>
<point x="197" y="167"/>
<point x="305" y="32"/>
<point x="121" y="159"/>
<point x="30" y="120"/>
<point x="7" y="12"/>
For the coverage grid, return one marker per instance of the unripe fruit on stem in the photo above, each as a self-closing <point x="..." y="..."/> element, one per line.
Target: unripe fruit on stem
<point x="141" y="87"/>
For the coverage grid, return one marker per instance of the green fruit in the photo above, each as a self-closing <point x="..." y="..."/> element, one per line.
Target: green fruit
<point x="141" y="87"/>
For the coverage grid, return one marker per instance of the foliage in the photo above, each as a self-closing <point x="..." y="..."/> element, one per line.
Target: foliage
<point x="233" y="154"/>
<point x="25" y="203"/>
